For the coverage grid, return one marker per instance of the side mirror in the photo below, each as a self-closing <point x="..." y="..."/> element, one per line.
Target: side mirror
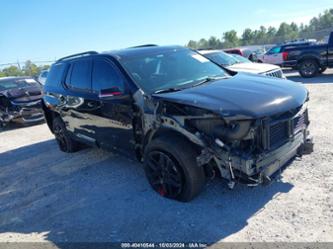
<point x="110" y="92"/>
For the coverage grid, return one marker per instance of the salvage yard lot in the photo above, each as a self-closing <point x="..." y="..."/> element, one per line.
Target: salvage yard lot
<point x="94" y="195"/>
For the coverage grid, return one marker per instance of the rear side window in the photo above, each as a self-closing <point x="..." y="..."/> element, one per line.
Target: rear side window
<point x="55" y="75"/>
<point x="105" y="75"/>
<point x="80" y="77"/>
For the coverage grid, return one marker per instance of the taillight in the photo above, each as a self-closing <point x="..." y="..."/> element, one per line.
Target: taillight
<point x="284" y="56"/>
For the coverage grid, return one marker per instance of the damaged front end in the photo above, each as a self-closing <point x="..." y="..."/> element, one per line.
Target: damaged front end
<point x="239" y="148"/>
<point x="20" y="111"/>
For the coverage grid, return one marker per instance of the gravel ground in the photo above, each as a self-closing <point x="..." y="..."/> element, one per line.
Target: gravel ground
<point x="94" y="195"/>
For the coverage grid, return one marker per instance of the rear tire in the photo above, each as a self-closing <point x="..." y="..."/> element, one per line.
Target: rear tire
<point x="171" y="168"/>
<point x="308" y="68"/>
<point x="63" y="138"/>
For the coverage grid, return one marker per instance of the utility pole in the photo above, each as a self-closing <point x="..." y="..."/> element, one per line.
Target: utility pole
<point x="18" y="65"/>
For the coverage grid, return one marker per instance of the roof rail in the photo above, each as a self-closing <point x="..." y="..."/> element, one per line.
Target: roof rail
<point x="77" y="55"/>
<point x="145" y="45"/>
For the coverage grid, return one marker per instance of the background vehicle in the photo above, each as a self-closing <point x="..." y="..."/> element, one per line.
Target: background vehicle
<point x="42" y="77"/>
<point x="185" y="117"/>
<point x="276" y="55"/>
<point x="238" y="63"/>
<point x="310" y="59"/>
<point x="240" y="58"/>
<point x="247" y="53"/>
<point x="20" y="100"/>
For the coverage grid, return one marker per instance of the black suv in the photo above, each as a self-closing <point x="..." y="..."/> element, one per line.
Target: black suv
<point x="186" y="118"/>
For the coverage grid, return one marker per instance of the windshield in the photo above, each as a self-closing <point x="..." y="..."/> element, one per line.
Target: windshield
<point x="221" y="58"/>
<point x="241" y="59"/>
<point x="16" y="83"/>
<point x="170" y="69"/>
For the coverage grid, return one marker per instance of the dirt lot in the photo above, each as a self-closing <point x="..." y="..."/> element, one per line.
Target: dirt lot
<point x="93" y="195"/>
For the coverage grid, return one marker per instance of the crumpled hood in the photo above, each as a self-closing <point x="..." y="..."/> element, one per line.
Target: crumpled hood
<point x="246" y="95"/>
<point x="24" y="94"/>
<point x="257" y="68"/>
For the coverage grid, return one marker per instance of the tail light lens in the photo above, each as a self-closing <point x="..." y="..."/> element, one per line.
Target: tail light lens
<point x="285" y="55"/>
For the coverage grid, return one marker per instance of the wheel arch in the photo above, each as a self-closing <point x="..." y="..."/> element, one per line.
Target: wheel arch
<point x="168" y="132"/>
<point x="309" y="57"/>
<point x="49" y="116"/>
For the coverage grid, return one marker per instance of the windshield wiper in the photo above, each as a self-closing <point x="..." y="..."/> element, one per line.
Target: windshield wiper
<point x="208" y="79"/>
<point x="168" y="90"/>
<point x="203" y="81"/>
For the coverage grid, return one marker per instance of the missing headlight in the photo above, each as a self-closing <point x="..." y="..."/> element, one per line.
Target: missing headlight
<point x="217" y="128"/>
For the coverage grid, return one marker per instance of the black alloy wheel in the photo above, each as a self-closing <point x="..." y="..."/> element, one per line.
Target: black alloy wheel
<point x="308" y="68"/>
<point x="59" y="134"/>
<point x="171" y="167"/>
<point x="164" y="175"/>
<point x="64" y="140"/>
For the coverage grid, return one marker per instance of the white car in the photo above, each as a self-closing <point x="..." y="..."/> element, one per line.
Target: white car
<point x="238" y="63"/>
<point x="42" y="77"/>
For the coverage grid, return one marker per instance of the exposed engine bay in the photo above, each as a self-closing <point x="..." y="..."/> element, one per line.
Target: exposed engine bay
<point x="239" y="149"/>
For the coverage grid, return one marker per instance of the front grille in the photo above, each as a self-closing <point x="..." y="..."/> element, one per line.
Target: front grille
<point x="278" y="133"/>
<point x="275" y="73"/>
<point x="28" y="113"/>
<point x="34" y="93"/>
<point x="30" y="104"/>
<point x="299" y="123"/>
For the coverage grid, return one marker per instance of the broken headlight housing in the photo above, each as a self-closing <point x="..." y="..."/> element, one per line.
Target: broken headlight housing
<point x="218" y="128"/>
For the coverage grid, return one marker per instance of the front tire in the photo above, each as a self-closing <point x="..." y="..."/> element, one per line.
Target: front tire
<point x="308" y="68"/>
<point x="63" y="138"/>
<point x="171" y="168"/>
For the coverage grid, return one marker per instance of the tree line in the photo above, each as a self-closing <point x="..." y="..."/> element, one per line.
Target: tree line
<point x="317" y="28"/>
<point x="29" y="69"/>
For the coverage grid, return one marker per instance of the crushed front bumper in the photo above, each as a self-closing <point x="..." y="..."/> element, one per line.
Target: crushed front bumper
<point x="303" y="143"/>
<point x="23" y="113"/>
<point x="259" y="169"/>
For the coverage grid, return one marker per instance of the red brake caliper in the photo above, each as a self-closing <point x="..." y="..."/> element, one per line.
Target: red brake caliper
<point x="161" y="191"/>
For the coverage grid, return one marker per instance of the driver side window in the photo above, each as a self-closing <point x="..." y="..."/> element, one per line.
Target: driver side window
<point x="274" y="50"/>
<point x="106" y="76"/>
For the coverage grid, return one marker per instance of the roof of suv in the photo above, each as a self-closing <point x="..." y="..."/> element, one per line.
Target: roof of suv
<point x="140" y="50"/>
<point x="124" y="53"/>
